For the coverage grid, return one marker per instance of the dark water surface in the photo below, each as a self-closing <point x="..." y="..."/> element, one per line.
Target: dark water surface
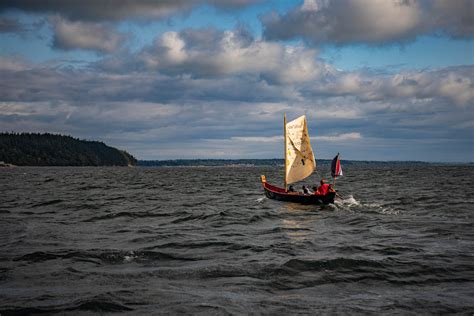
<point x="207" y="241"/>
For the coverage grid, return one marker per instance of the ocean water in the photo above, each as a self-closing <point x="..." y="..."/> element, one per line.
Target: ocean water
<point x="205" y="240"/>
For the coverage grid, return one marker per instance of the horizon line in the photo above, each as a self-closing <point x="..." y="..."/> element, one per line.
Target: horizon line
<point x="350" y="160"/>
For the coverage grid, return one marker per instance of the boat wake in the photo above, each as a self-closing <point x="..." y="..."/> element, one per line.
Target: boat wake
<point x="347" y="201"/>
<point x="350" y="203"/>
<point x="382" y="209"/>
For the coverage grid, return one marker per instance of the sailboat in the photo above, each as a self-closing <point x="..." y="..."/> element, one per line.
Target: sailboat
<point x="299" y="164"/>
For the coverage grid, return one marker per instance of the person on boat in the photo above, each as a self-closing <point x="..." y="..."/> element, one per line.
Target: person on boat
<point x="306" y="190"/>
<point x="331" y="188"/>
<point x="291" y="189"/>
<point x="323" y="188"/>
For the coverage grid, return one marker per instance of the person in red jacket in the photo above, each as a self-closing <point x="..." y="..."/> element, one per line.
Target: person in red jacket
<point x="323" y="188"/>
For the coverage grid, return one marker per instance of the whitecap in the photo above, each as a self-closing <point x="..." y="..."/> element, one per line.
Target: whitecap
<point x="260" y="200"/>
<point x="130" y="257"/>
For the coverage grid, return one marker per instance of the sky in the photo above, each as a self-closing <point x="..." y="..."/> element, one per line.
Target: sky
<point x="184" y="79"/>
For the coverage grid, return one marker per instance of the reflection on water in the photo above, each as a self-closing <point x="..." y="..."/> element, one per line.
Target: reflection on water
<point x="294" y="230"/>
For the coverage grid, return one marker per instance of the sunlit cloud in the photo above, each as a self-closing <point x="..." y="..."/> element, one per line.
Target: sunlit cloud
<point x="213" y="53"/>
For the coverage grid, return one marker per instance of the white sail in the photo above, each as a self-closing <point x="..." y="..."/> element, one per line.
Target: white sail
<point x="300" y="161"/>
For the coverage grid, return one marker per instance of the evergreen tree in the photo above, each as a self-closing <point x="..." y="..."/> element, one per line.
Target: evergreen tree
<point x="33" y="149"/>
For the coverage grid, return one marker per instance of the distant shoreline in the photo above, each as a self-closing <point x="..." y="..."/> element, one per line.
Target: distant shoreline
<point x="274" y="162"/>
<point x="200" y="163"/>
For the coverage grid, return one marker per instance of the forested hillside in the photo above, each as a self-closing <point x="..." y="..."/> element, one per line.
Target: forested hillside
<point x="32" y="149"/>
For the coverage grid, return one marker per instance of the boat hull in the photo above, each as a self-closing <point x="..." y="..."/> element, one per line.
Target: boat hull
<point x="276" y="193"/>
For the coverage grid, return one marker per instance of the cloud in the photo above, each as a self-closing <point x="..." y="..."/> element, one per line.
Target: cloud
<point x="92" y="10"/>
<point x="277" y="139"/>
<point x="458" y="88"/>
<point x="453" y="83"/>
<point x="97" y="37"/>
<point x="171" y="83"/>
<point x="339" y="138"/>
<point x="202" y="55"/>
<point x="232" y="3"/>
<point x="29" y="82"/>
<point x="14" y="64"/>
<point x="371" y="22"/>
<point x="258" y="139"/>
<point x="210" y="53"/>
<point x="170" y="111"/>
<point x="455" y="18"/>
<point x="11" y="25"/>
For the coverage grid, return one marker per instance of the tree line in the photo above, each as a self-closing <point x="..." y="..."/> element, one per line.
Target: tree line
<point x="35" y="149"/>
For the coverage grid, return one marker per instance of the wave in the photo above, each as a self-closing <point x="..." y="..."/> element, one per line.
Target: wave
<point x="193" y="217"/>
<point x="167" y="234"/>
<point x="89" y="305"/>
<point x="51" y="202"/>
<point x="208" y="244"/>
<point x="103" y="257"/>
<point x="126" y="214"/>
<point x="301" y="273"/>
<point x="298" y="265"/>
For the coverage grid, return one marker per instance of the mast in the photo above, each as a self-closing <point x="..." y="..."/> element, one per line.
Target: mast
<point x="284" y="156"/>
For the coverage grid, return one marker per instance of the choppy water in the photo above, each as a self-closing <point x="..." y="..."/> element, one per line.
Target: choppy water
<point x="207" y="241"/>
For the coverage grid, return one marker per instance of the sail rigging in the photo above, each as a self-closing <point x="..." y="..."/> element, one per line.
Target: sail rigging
<point x="299" y="157"/>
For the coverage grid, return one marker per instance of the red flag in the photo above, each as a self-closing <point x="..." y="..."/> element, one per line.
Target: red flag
<point x="336" y="169"/>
